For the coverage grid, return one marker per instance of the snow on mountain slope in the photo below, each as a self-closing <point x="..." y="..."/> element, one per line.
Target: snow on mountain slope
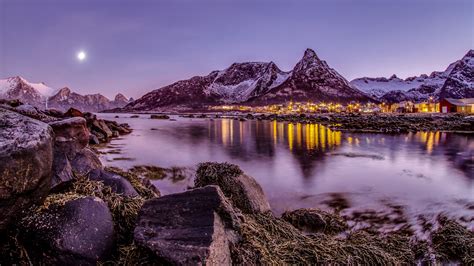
<point x="253" y="83"/>
<point x="460" y="82"/>
<point x="9" y="84"/>
<point x="241" y="81"/>
<point x="420" y="88"/>
<point x="312" y="79"/>
<point x="377" y="87"/>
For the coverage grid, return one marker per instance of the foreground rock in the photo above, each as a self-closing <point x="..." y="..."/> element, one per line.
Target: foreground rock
<point x="194" y="227"/>
<point x="242" y="190"/>
<point x="79" y="232"/>
<point x="71" y="134"/>
<point x="26" y="157"/>
<point x="117" y="183"/>
<point x="71" y="154"/>
<point x="104" y="130"/>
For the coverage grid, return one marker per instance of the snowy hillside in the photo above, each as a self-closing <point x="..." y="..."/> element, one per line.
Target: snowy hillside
<point x="242" y="81"/>
<point x="458" y="74"/>
<point x="9" y="84"/>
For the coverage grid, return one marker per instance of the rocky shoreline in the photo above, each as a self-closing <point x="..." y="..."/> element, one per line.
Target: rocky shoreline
<point x="62" y="206"/>
<point x="354" y="122"/>
<point x="379" y="123"/>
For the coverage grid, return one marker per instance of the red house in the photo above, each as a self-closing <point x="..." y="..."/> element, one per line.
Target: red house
<point x="449" y="105"/>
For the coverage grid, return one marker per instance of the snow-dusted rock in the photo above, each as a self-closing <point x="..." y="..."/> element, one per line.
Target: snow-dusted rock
<point x="26" y="157"/>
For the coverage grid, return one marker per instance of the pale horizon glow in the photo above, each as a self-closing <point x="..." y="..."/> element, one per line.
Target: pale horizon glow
<point x="142" y="45"/>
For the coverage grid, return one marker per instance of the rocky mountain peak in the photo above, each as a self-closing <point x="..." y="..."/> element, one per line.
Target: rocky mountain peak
<point x="460" y="82"/>
<point x="470" y="53"/>
<point x="120" y="98"/>
<point x="64" y="91"/>
<point x="310" y="54"/>
<point x="309" y="63"/>
<point x="469" y="58"/>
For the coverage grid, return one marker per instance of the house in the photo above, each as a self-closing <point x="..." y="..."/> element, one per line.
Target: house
<point x="427" y="107"/>
<point x="402" y="107"/>
<point x="449" y="105"/>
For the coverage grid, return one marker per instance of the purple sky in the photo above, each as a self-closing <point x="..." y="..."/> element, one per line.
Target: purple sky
<point x="135" y="46"/>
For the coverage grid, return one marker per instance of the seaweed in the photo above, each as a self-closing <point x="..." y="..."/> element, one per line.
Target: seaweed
<point x="143" y="187"/>
<point x="453" y="242"/>
<point x="314" y="220"/>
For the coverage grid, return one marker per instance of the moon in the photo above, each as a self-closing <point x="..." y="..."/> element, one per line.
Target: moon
<point x="81" y="56"/>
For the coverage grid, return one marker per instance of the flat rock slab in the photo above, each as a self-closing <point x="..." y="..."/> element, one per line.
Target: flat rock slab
<point x="77" y="232"/>
<point x="193" y="227"/>
<point x="26" y="155"/>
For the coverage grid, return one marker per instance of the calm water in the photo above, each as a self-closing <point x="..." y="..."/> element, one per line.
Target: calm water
<point x="305" y="165"/>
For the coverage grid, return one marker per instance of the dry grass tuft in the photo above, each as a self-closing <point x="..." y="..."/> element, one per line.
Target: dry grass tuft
<point x="453" y="242"/>
<point x="270" y="240"/>
<point x="314" y="220"/>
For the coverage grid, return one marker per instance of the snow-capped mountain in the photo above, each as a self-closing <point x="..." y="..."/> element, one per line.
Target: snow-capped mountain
<point x="312" y="80"/>
<point x="19" y="88"/>
<point x="235" y="84"/>
<point x="254" y="83"/>
<point x="460" y="82"/>
<point x="423" y="87"/>
<point x="42" y="96"/>
<point x="242" y="81"/>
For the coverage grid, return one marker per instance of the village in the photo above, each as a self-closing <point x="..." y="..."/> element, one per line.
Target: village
<point x="446" y="105"/>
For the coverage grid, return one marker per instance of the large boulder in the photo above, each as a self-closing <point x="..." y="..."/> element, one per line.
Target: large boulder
<point x="117" y="183"/>
<point x="193" y="227"/>
<point x="85" y="161"/>
<point x="73" y="112"/>
<point x="62" y="170"/>
<point x="71" y="134"/>
<point x="26" y="155"/>
<point x="69" y="229"/>
<point x="70" y="153"/>
<point x="121" y="128"/>
<point x="242" y="190"/>
<point x="101" y="127"/>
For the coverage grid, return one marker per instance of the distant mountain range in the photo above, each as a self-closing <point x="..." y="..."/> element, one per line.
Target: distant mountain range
<point x="253" y="83"/>
<point x="260" y="83"/>
<point x="257" y="83"/>
<point x="457" y="81"/>
<point x="42" y="96"/>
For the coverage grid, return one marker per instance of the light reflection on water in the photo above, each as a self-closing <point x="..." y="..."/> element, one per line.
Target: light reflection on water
<point x="301" y="165"/>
